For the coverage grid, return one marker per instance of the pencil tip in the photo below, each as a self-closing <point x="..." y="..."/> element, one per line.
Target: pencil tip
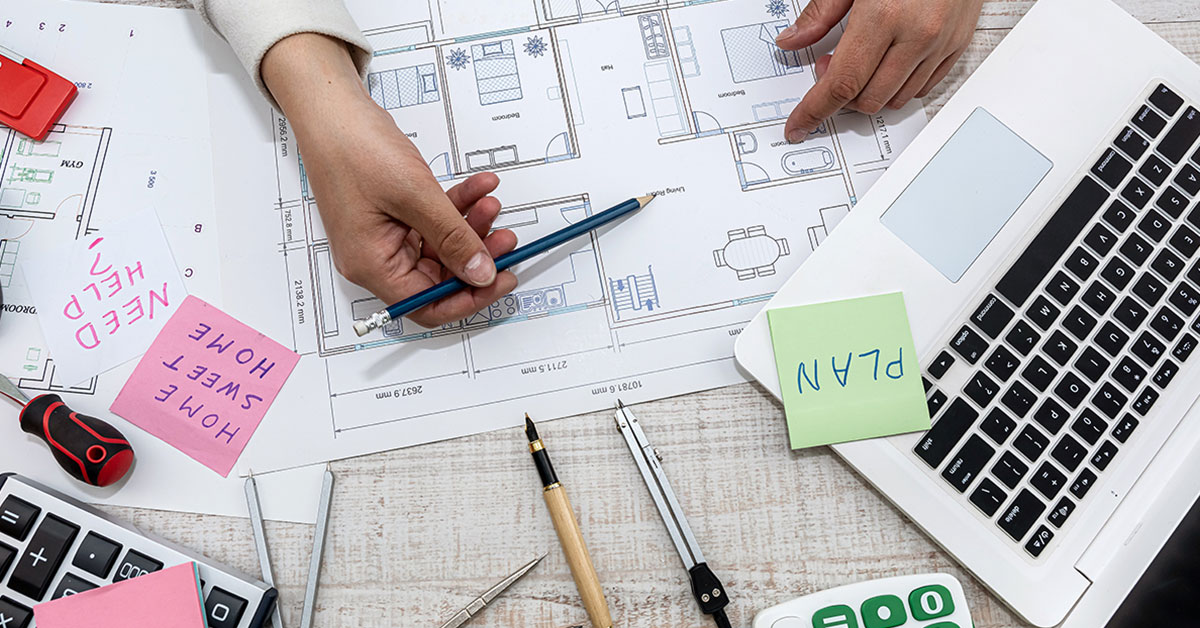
<point x="530" y="429"/>
<point x="645" y="200"/>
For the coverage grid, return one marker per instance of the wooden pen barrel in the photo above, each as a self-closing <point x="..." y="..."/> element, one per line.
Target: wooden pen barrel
<point x="578" y="558"/>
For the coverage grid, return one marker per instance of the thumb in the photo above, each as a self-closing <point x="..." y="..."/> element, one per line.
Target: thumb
<point x="447" y="232"/>
<point x="814" y="23"/>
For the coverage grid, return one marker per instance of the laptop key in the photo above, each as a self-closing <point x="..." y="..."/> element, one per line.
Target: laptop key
<point x="1129" y="374"/>
<point x="1145" y="401"/>
<point x="1104" y="455"/>
<point x="1186" y="241"/>
<point x="1111" y="338"/>
<point x="1043" y="313"/>
<point x="998" y="425"/>
<point x="43" y="555"/>
<point x="1109" y="400"/>
<point x="1148" y="349"/>
<point x="1155" y="170"/>
<point x="1083" y="483"/>
<point x="1009" y="469"/>
<point x="1031" y="443"/>
<point x="1119" y="216"/>
<point x="1172" y="202"/>
<point x="1039" y="373"/>
<point x="1165" y="373"/>
<point x="941" y="364"/>
<point x="1019" y="399"/>
<point x="1185" y="298"/>
<point x="1178" y="141"/>
<point x="1072" y="390"/>
<point x="1048" y="481"/>
<point x="1149" y="121"/>
<point x="1124" y="428"/>
<point x="988" y="497"/>
<point x="1023" y="337"/>
<point x="17" y="517"/>
<point x="1079" y="322"/>
<point x="1062" y="510"/>
<point x="1149" y="289"/>
<point x="1051" y="415"/>
<point x="1069" y="453"/>
<point x="1060" y="347"/>
<point x="1021" y="514"/>
<point x="1154" y="225"/>
<point x="946" y="432"/>
<point x="14" y="615"/>
<point x="1089" y="426"/>
<point x="969" y="345"/>
<point x="1062" y="288"/>
<point x="965" y="466"/>
<point x="1183" y="350"/>
<point x="1002" y="363"/>
<point x="1082" y="263"/>
<point x="926" y="384"/>
<point x="992" y="316"/>
<point x="981" y="389"/>
<point x="1167" y="265"/>
<point x="935" y="402"/>
<point x="1112" y="168"/>
<point x="1099" y="298"/>
<point x="1188" y="179"/>
<point x="1092" y="364"/>
<point x="1137" y="193"/>
<point x="1136" y="249"/>
<point x="1131" y="314"/>
<point x="1132" y="143"/>
<point x="1166" y="100"/>
<point x="1037" y="543"/>
<point x="1167" y="323"/>
<point x="1117" y="273"/>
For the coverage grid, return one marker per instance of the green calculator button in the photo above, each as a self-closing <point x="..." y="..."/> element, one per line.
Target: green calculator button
<point x="944" y="624"/>
<point x="884" y="611"/>
<point x="931" y="602"/>
<point x="837" y="616"/>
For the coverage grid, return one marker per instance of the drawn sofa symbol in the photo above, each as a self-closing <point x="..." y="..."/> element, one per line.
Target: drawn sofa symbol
<point x="808" y="161"/>
<point x="751" y="252"/>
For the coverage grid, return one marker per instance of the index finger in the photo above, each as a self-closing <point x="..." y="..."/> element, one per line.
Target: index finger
<point x="854" y="63"/>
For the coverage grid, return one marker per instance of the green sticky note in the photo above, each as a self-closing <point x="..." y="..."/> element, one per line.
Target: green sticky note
<point x="848" y="370"/>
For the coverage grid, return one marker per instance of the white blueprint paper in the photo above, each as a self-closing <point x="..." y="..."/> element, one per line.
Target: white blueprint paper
<point x="576" y="109"/>
<point x="136" y="137"/>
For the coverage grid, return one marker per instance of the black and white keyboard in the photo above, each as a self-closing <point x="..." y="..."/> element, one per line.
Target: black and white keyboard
<point x="1070" y="349"/>
<point x="52" y="546"/>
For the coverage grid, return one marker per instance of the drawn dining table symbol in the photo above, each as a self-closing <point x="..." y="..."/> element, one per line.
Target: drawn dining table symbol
<point x="751" y="252"/>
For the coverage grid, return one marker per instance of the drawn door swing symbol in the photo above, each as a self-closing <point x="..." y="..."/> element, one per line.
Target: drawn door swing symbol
<point x="751" y="252"/>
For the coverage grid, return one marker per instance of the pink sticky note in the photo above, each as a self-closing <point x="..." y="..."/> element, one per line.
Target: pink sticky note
<point x="164" y="599"/>
<point x="205" y="384"/>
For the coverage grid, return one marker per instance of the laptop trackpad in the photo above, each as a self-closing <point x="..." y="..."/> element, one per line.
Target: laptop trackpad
<point x="965" y="194"/>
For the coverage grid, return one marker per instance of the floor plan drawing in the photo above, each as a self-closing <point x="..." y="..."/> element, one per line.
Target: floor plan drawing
<point x="576" y="105"/>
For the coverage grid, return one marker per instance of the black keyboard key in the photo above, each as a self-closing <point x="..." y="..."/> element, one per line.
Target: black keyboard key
<point x="946" y="432"/>
<point x="1023" y="337"/>
<point x="1149" y="289"/>
<point x="1052" y="241"/>
<point x="1043" y="312"/>
<point x="1155" y="170"/>
<point x="96" y="555"/>
<point x="1062" y="510"/>
<point x="1083" y="483"/>
<point x="1031" y="443"/>
<point x="1186" y="241"/>
<point x="1021" y="514"/>
<point x="935" y="402"/>
<point x="1062" y="288"/>
<point x="1176" y="143"/>
<point x="988" y="497"/>
<point x="1166" y="100"/>
<point x="1104" y="455"/>
<point x="1112" y="168"/>
<point x="1119" y="216"/>
<point x="71" y="584"/>
<point x="1149" y="121"/>
<point x="981" y="389"/>
<point x="1039" y="373"/>
<point x="1009" y="469"/>
<point x="1165" y="373"/>
<point x="1089" y="426"/>
<point x="965" y="466"/>
<point x="1132" y="143"/>
<point x="1092" y="364"/>
<point x="1072" y="390"/>
<point x="1051" y="416"/>
<point x="1082" y="263"/>
<point x="1037" y="543"/>
<point x="1079" y="322"/>
<point x="1002" y="363"/>
<point x="992" y="316"/>
<point x="1148" y="348"/>
<point x="17" y="517"/>
<point x="223" y="609"/>
<point x="1131" y="314"/>
<point x="43" y="556"/>
<point x="7" y="554"/>
<point x="1193" y="217"/>
<point x="1048" y="481"/>
<point x="1168" y="324"/>
<point x="1172" y="202"/>
<point x="941" y="364"/>
<point x="998" y="426"/>
<point x="1183" y="350"/>
<point x="1060" y="348"/>
<point x="926" y="384"/>
<point x="1124" y="428"/>
<point x="1145" y="401"/>
<point x="14" y="615"/>
<point x="1167" y="265"/>
<point x="1136" y="249"/>
<point x="1069" y="453"/>
<point x="1129" y="374"/>
<point x="1111" y="338"/>
<point x="1117" y="272"/>
<point x="969" y="345"/>
<point x="1189" y="179"/>
<point x="1109" y="400"/>
<point x="136" y="564"/>
<point x="1154" y="225"/>
<point x="1099" y="298"/>
<point x="1137" y="193"/>
<point x="1019" y="399"/>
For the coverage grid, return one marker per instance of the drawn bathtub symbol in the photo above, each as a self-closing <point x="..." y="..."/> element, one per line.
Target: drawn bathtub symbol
<point x="808" y="161"/>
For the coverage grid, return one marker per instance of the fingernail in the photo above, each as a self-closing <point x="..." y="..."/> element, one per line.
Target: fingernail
<point x="797" y="135"/>
<point x="481" y="271"/>
<point x="786" y="33"/>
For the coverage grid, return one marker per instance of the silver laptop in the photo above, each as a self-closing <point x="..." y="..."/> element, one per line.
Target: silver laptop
<point x="1045" y="232"/>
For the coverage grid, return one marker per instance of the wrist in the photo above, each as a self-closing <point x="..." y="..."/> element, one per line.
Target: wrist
<point x="314" y="80"/>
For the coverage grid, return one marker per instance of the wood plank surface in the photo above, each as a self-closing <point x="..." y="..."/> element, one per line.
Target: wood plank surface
<point x="417" y="533"/>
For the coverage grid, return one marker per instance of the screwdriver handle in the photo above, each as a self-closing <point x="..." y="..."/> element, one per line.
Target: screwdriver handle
<point x="87" y="448"/>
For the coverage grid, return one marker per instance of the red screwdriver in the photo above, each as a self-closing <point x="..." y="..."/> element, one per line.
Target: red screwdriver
<point x="87" y="448"/>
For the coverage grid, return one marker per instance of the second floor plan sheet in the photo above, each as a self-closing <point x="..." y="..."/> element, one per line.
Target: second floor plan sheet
<point x="577" y="105"/>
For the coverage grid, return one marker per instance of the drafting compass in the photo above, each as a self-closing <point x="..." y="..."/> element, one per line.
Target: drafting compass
<point x="709" y="591"/>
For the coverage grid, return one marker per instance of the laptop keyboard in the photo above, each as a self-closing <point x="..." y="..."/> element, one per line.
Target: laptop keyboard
<point x="1076" y="342"/>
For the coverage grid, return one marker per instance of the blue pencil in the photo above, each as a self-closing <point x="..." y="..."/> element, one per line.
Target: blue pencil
<point x="537" y="247"/>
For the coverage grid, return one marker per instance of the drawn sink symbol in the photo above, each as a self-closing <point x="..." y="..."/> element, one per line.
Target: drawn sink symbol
<point x="807" y="161"/>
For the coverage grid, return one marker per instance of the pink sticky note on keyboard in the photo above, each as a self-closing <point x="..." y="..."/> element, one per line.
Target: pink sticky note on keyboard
<point x="205" y="384"/>
<point x="165" y="599"/>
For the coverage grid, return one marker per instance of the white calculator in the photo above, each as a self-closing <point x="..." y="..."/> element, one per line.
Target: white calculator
<point x="922" y="601"/>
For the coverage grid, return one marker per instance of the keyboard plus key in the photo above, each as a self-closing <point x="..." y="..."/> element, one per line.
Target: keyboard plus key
<point x="17" y="517"/>
<point x="941" y="364"/>
<point x="1111" y="338"/>
<point x="1186" y="298"/>
<point x="935" y="402"/>
<point x="1131" y="313"/>
<point x="1167" y="323"/>
<point x="1072" y="390"/>
<point x="1148" y="349"/>
<point x="981" y="389"/>
<point x="1039" y="373"/>
<point x="1060" y="348"/>
<point x="946" y="432"/>
<point x="14" y="615"/>
<point x="1119" y="216"/>
<point x="1189" y="179"/>
<point x="1069" y="453"/>
<point x="969" y="345"/>
<point x="1155" y="170"/>
<point x="1117" y="272"/>
<point x="1031" y="443"/>
<point x="1009" y="469"/>
<point x="1166" y="100"/>
<point x="1145" y="401"/>
<point x="1136" y="249"/>
<point x="1149" y="289"/>
<point x="1023" y="337"/>
<point x="965" y="466"/>
<point x="1132" y="143"/>
<point x="1019" y="399"/>
<point x="1089" y="426"/>
<point x="1167" y="265"/>
<point x="1051" y="415"/>
<point x="1109" y="401"/>
<point x="1062" y="510"/>
<point x="988" y="497"/>
<point x="1038" y="542"/>
<point x="1104" y="455"/>
<point x="1172" y="202"/>
<point x="1137" y="193"/>
<point x="1048" y="481"/>
<point x="992" y="316"/>
<point x="1124" y="428"/>
<point x="1129" y="374"/>
<point x="1002" y="363"/>
<point x="1185" y="240"/>
<point x="1165" y="373"/>
<point x="1021" y="514"/>
<point x="1083" y="483"/>
<point x="1079" y="322"/>
<point x="1062" y="288"/>
<point x="1176" y="143"/>
<point x="1099" y="298"/>
<point x="1154" y="225"/>
<point x="997" y="425"/>
<point x="1112" y="168"/>
<point x="42" y="558"/>
<point x="1184" y="348"/>
<point x="1092" y="364"/>
<point x="1082" y="263"/>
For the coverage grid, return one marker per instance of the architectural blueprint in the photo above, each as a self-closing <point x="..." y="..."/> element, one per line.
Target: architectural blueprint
<point x="136" y="138"/>
<point x="577" y="105"/>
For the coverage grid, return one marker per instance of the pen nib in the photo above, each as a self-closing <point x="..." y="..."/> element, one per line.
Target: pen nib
<point x="530" y="429"/>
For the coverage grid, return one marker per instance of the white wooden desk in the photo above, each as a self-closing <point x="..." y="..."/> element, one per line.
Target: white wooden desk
<point x="417" y="533"/>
